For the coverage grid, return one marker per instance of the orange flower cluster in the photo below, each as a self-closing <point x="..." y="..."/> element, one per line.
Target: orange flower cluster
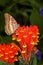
<point x="27" y="38"/>
<point x="8" y="52"/>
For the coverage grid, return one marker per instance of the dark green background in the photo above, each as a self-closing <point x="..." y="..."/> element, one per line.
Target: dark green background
<point x="26" y="12"/>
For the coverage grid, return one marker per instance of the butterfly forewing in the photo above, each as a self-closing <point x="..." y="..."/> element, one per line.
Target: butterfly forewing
<point x="10" y="24"/>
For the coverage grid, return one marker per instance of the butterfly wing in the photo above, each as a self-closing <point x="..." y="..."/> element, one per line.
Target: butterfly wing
<point x="10" y="24"/>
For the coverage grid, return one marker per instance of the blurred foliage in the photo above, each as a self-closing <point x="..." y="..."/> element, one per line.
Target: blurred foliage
<point x="33" y="62"/>
<point x="4" y="63"/>
<point x="28" y="9"/>
<point x="36" y="19"/>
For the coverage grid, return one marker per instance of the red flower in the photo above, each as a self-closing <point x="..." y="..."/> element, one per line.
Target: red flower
<point x="8" y="52"/>
<point x="27" y="38"/>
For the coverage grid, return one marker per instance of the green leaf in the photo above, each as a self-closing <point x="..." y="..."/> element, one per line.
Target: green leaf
<point x="33" y="59"/>
<point x="3" y="2"/>
<point x="22" y="62"/>
<point x="4" y="63"/>
<point x="5" y="39"/>
<point x="2" y="22"/>
<point x="36" y="19"/>
<point x="34" y="3"/>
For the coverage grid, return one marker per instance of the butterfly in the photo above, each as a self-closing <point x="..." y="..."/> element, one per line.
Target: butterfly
<point x="10" y="24"/>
